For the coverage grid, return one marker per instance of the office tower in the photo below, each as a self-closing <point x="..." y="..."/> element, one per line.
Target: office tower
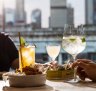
<point x="9" y="16"/>
<point x="60" y="14"/>
<point x="90" y="11"/>
<point x="70" y="15"/>
<point x="20" y="16"/>
<point x="1" y="21"/>
<point x="36" y="18"/>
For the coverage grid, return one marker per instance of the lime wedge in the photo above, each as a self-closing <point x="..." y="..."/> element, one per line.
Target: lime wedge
<point x="83" y="39"/>
<point x="22" y="41"/>
<point x="72" y="39"/>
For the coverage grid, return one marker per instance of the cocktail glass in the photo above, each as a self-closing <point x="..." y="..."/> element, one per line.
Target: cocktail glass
<point x="74" y="42"/>
<point x="53" y="50"/>
<point x="27" y="56"/>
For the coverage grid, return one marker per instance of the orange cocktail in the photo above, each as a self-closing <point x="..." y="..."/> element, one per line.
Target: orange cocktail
<point x="27" y="57"/>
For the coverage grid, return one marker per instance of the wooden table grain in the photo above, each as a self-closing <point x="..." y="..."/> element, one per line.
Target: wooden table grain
<point x="56" y="85"/>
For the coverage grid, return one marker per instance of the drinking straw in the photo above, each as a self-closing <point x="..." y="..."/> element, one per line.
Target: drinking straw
<point x="20" y="49"/>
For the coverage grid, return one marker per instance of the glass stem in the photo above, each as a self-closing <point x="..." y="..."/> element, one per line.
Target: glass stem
<point x="75" y="69"/>
<point x="53" y="59"/>
<point x="74" y="57"/>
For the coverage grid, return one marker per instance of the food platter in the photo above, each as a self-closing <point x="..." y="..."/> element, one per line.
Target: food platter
<point x="17" y="80"/>
<point x="59" y="74"/>
<point x="27" y="81"/>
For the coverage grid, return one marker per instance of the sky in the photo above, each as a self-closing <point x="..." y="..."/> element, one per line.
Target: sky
<point x="79" y="11"/>
<point x="44" y="5"/>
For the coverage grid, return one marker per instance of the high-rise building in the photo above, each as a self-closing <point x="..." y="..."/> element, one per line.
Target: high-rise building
<point x="36" y="18"/>
<point x="70" y="15"/>
<point x="20" y="16"/>
<point x="9" y="16"/>
<point x="1" y="20"/>
<point x="61" y="14"/>
<point x="90" y="11"/>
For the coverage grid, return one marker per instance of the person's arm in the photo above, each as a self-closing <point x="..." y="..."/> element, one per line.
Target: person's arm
<point x="12" y="53"/>
<point x="86" y="69"/>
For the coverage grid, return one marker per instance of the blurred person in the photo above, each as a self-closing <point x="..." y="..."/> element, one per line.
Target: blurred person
<point x="85" y="69"/>
<point x="8" y="53"/>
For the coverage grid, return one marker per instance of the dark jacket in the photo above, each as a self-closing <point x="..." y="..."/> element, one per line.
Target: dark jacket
<point x="8" y="52"/>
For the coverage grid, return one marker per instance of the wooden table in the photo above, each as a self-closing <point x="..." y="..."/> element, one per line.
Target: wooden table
<point x="54" y="86"/>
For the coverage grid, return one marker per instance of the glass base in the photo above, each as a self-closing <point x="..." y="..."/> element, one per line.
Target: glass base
<point x="73" y="81"/>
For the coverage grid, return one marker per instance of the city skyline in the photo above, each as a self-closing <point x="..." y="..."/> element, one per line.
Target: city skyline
<point x="44" y="5"/>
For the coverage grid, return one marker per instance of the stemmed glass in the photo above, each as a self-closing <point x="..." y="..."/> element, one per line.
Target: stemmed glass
<point x="53" y="50"/>
<point x="73" y="42"/>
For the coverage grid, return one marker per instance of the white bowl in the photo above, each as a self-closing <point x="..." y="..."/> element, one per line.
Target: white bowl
<point x="27" y="80"/>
